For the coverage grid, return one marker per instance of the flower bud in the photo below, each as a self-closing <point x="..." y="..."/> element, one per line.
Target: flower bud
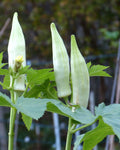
<point x="60" y="63"/>
<point x="79" y="76"/>
<point x="16" y="50"/>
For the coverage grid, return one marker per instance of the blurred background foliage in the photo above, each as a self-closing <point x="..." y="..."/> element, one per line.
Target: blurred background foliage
<point x="95" y="23"/>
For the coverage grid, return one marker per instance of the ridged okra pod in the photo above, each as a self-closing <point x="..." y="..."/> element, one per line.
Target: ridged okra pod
<point x="61" y="63"/>
<point x="79" y="76"/>
<point x="17" y="53"/>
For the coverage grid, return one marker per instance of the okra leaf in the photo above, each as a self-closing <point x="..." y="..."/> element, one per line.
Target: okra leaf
<point x="109" y="123"/>
<point x="4" y="72"/>
<point x="89" y="65"/>
<point x="1" y="58"/>
<point x="97" y="70"/>
<point x="78" y="141"/>
<point x="2" y="65"/>
<point x="93" y="137"/>
<point x="27" y="121"/>
<point x="45" y="90"/>
<point x="35" y="108"/>
<point x="110" y="115"/>
<point x="33" y="92"/>
<point x="6" y="81"/>
<point x="23" y="70"/>
<point x="31" y="107"/>
<point x="39" y="76"/>
<point x="81" y="115"/>
<point x="5" y="100"/>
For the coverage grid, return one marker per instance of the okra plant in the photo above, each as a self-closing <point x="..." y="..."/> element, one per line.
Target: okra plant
<point x="32" y="92"/>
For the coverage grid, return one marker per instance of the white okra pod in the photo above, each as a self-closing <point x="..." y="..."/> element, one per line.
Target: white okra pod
<point x="79" y="76"/>
<point x="61" y="63"/>
<point x="17" y="52"/>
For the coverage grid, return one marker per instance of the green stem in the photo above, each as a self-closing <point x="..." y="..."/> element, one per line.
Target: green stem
<point x="27" y="86"/>
<point x="12" y="91"/>
<point x="69" y="136"/>
<point x="84" y="126"/>
<point x="12" y="118"/>
<point x="11" y="128"/>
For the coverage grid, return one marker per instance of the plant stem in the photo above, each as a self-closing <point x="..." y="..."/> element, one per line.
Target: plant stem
<point x="11" y="128"/>
<point x="84" y="126"/>
<point x="12" y="117"/>
<point x="69" y="136"/>
<point x="27" y="86"/>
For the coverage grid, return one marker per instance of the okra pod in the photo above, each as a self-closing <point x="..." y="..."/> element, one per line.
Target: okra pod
<point x="60" y="63"/>
<point x="79" y="76"/>
<point x="16" y="50"/>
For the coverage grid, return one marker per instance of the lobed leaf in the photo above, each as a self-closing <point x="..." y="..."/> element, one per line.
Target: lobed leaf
<point x="35" y="108"/>
<point x="4" y="72"/>
<point x="39" y="76"/>
<point x="97" y="70"/>
<point x="81" y="115"/>
<point x="27" y="121"/>
<point x="6" y="81"/>
<point x="111" y="116"/>
<point x="109" y="123"/>
<point x="23" y="70"/>
<point x="45" y="90"/>
<point x="5" y="100"/>
<point x="1" y="57"/>
<point x="93" y="137"/>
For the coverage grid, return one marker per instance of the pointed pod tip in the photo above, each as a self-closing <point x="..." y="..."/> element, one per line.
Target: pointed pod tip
<point x="52" y="26"/>
<point x="73" y="40"/>
<point x="73" y="37"/>
<point x="15" y="15"/>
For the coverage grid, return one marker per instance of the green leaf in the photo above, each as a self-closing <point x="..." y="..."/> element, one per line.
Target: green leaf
<point x="91" y="138"/>
<point x="35" y="108"/>
<point x="1" y="57"/>
<point x="31" y="107"/>
<point x="108" y="35"/>
<point x="89" y="65"/>
<point x="97" y="70"/>
<point x="111" y="116"/>
<point x="78" y="141"/>
<point x="109" y="124"/>
<point x="5" y="100"/>
<point x="45" y="90"/>
<point x="33" y="92"/>
<point x="81" y="115"/>
<point x="2" y="65"/>
<point x="6" y="82"/>
<point x="39" y="76"/>
<point x="27" y="121"/>
<point x="4" y="72"/>
<point x="23" y="70"/>
<point x="95" y="136"/>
